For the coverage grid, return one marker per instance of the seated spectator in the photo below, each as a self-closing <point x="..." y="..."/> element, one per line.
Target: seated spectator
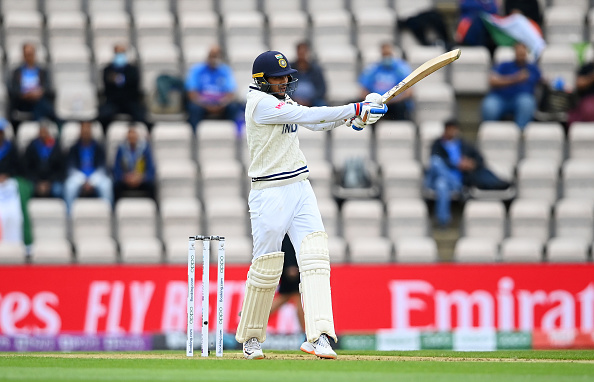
<point x="122" y="91"/>
<point x="456" y="164"/>
<point x="383" y="76"/>
<point x="512" y="89"/>
<point x="134" y="169"/>
<point x="45" y="165"/>
<point x="30" y="89"/>
<point x="427" y="24"/>
<point x="11" y="214"/>
<point x="211" y="91"/>
<point x="87" y="175"/>
<point x="584" y="84"/>
<point x="311" y="87"/>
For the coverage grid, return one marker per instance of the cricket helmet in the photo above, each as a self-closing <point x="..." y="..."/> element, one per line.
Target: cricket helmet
<point x="273" y="64"/>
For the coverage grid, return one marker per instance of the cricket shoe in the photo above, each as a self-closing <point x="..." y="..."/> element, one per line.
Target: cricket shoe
<point x="252" y="349"/>
<point x="321" y="348"/>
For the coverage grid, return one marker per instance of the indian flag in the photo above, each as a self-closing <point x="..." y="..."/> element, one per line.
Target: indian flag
<point x="507" y="30"/>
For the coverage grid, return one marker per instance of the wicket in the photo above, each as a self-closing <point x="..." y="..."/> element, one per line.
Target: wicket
<point x="205" y="293"/>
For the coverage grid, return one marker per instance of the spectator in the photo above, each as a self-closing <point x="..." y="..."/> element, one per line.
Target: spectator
<point x="11" y="214"/>
<point x="512" y="89"/>
<point x="123" y="95"/>
<point x="529" y="8"/>
<point x="384" y="75"/>
<point x="30" y="89"/>
<point x="454" y="164"/>
<point x="311" y="88"/>
<point x="211" y="91"/>
<point x="44" y="165"/>
<point x="584" y="110"/>
<point x="87" y="175"/>
<point x="426" y="23"/>
<point x="134" y="170"/>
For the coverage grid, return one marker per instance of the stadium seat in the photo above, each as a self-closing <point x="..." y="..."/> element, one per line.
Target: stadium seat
<point x="148" y="250"/>
<point x="581" y="140"/>
<point x="483" y="218"/>
<point x="286" y="29"/>
<point x="22" y="26"/>
<point x="402" y="179"/>
<point x="559" y="61"/>
<point x="28" y="131"/>
<point x="243" y="28"/>
<point x="395" y="141"/>
<point x="537" y="178"/>
<point x="476" y="250"/>
<point x="418" y="55"/>
<point x="330" y="28"/>
<point x="362" y="218"/>
<point x="374" y="24"/>
<point x="12" y="253"/>
<point x="369" y="249"/>
<point x="342" y="86"/>
<point x="429" y="131"/>
<point x="337" y="247"/>
<point x="95" y="7"/>
<point x="314" y="144"/>
<point x="201" y="24"/>
<point x="180" y="218"/>
<point x="51" y="251"/>
<point x="222" y="178"/>
<point x="314" y="7"/>
<point x="154" y="27"/>
<point x="407" y="218"/>
<point x="321" y="178"/>
<point x="347" y="143"/>
<point x="237" y="6"/>
<point x="544" y="140"/>
<point x="96" y="250"/>
<point x="216" y="140"/>
<point x="567" y="249"/>
<point x="18" y="5"/>
<point x="499" y="143"/>
<point x="521" y="250"/>
<point x="433" y="102"/>
<point x="114" y="24"/>
<point x="136" y="218"/>
<point x="48" y="218"/>
<point x="195" y="48"/>
<point x="176" y="250"/>
<point x="171" y="141"/>
<point x="67" y="26"/>
<point x="51" y="7"/>
<point x="238" y="250"/>
<point x="564" y="24"/>
<point x="470" y="74"/>
<point x="574" y="218"/>
<point x="177" y="178"/>
<point x="76" y="101"/>
<point x="153" y="6"/>
<point x="330" y="216"/>
<point x="416" y="250"/>
<point x="90" y="218"/>
<point x="227" y="216"/>
<point x="187" y="6"/>
<point x="530" y="218"/>
<point x="578" y="179"/>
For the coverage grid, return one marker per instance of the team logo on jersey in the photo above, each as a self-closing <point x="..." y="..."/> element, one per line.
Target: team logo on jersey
<point x="282" y="63"/>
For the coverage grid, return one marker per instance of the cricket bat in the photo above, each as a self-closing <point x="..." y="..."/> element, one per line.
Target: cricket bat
<point x="421" y="72"/>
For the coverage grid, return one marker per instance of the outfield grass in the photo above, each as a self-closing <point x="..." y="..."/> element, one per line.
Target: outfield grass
<point x="433" y="366"/>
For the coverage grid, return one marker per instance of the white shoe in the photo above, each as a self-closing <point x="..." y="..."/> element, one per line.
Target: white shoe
<point x="252" y="349"/>
<point x="308" y="347"/>
<point x="321" y="347"/>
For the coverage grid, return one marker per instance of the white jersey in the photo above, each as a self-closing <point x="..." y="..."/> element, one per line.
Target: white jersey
<point x="271" y="129"/>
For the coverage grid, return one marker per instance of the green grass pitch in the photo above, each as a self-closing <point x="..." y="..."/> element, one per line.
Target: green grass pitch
<point x="433" y="366"/>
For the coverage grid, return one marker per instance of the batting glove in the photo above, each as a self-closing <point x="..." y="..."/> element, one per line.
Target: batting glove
<point x="367" y="112"/>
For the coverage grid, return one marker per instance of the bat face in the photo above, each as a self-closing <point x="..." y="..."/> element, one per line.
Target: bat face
<point x="421" y="72"/>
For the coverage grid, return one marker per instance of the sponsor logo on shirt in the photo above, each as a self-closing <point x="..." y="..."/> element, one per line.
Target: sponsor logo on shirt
<point x="280" y="104"/>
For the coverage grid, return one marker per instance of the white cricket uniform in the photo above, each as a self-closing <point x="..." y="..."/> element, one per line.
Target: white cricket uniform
<point x="281" y="199"/>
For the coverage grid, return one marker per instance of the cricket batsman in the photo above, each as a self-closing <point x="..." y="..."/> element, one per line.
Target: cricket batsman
<point x="281" y="201"/>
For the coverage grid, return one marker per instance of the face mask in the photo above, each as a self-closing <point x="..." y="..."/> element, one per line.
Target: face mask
<point x="387" y="61"/>
<point x="120" y="60"/>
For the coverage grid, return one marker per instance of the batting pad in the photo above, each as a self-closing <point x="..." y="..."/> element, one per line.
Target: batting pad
<point x="315" y="286"/>
<point x="262" y="280"/>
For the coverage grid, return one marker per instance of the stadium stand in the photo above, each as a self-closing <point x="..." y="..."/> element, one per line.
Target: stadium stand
<point x="202" y="178"/>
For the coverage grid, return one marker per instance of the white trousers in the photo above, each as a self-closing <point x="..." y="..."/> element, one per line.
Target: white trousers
<point x="11" y="214"/>
<point x="275" y="211"/>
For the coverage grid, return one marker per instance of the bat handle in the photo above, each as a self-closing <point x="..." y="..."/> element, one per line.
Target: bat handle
<point x="365" y="115"/>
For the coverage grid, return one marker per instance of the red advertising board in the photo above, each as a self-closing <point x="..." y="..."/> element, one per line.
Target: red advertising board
<point x="152" y="299"/>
